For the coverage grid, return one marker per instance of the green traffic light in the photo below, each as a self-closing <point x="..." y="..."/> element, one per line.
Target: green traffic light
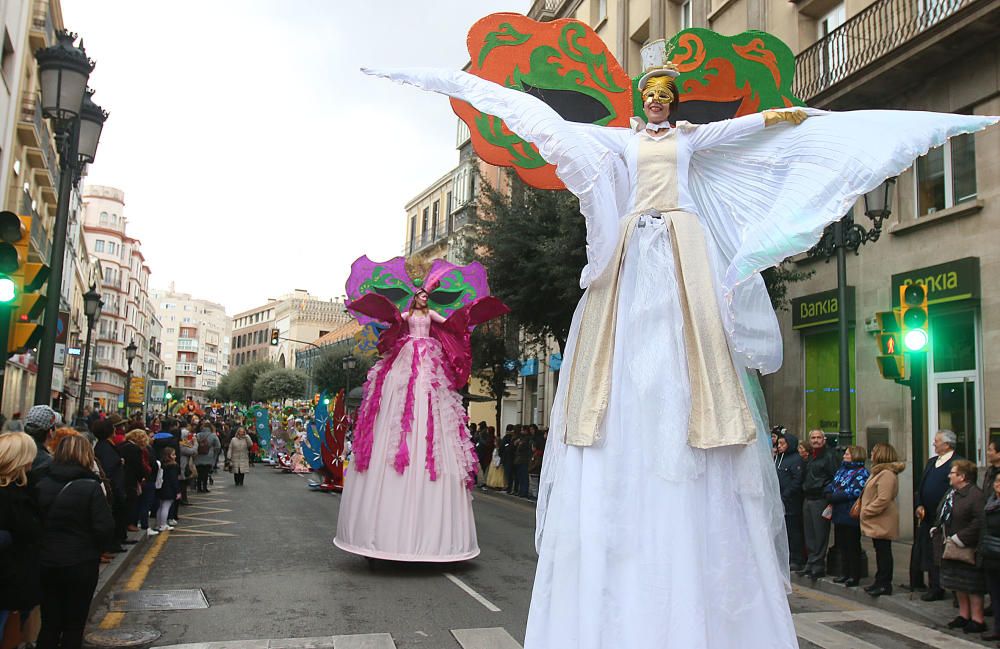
<point x="8" y="290"/>
<point x="326" y="401"/>
<point x="169" y="396"/>
<point x="915" y="340"/>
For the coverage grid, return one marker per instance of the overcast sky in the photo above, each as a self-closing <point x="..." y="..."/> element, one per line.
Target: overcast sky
<point x="254" y="156"/>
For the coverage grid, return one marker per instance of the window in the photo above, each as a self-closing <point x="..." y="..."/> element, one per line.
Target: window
<point x="946" y="176"/>
<point x="99" y="245"/>
<point x="462" y="186"/>
<point x="463" y="135"/>
<point x="598" y="12"/>
<point x="7" y="58"/>
<point x="686" y="14"/>
<point x="423" y="227"/>
<point x="111" y="247"/>
<point x="436" y="209"/>
<point x="447" y="211"/>
<point x="104" y="218"/>
<point x="835" y="50"/>
<point x="413" y="232"/>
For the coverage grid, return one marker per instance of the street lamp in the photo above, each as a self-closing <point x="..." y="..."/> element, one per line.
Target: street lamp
<point x="63" y="71"/>
<point x="130" y="352"/>
<point x="348" y="363"/>
<point x="92" y="309"/>
<point x="837" y="239"/>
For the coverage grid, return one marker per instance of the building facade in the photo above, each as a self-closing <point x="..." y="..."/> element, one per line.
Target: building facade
<point x="942" y="55"/>
<point x="196" y="337"/>
<point x="299" y="317"/>
<point x="127" y="313"/>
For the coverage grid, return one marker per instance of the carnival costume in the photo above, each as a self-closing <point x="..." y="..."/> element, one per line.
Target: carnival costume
<point x="408" y="493"/>
<point x="659" y="522"/>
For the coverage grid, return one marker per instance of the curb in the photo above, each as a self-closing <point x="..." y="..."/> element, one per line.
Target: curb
<point x="109" y="576"/>
<point x="903" y="604"/>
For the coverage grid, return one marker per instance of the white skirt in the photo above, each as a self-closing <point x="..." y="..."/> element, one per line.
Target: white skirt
<point x="644" y="541"/>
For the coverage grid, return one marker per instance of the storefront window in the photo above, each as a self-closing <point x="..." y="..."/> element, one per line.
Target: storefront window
<point x="822" y="378"/>
<point x="953" y="340"/>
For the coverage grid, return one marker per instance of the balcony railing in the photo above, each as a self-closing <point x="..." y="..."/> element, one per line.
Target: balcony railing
<point x="864" y="39"/>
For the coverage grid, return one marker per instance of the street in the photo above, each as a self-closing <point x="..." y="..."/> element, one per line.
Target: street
<point x="262" y="555"/>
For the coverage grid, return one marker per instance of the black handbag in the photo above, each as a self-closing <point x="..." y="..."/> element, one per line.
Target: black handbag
<point x="989" y="547"/>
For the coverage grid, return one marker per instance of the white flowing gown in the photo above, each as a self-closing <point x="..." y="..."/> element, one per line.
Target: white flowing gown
<point x="644" y="541"/>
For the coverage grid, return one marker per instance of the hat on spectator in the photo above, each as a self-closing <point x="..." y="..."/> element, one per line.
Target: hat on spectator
<point x="41" y="418"/>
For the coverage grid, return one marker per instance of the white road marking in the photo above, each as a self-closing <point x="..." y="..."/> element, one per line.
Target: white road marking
<point x="472" y="593"/>
<point x="495" y="638"/>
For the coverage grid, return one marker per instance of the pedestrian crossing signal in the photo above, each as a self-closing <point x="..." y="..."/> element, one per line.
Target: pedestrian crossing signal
<point x="891" y="362"/>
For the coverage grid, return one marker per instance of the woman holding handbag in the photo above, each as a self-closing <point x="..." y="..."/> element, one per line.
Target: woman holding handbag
<point x="844" y="492"/>
<point x="955" y="537"/>
<point x="989" y="553"/>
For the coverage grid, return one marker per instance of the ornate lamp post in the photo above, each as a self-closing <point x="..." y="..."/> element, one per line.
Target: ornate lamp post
<point x="63" y="72"/>
<point x="837" y="239"/>
<point x="92" y="304"/>
<point x="130" y="352"/>
<point x="348" y="363"/>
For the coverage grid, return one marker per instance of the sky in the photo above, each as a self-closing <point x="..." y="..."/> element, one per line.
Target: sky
<point x="254" y="156"/>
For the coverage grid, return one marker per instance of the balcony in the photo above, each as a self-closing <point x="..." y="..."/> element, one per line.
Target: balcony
<point x="39" y="235"/>
<point x="890" y="46"/>
<point x="33" y="133"/>
<point x="544" y="10"/>
<point x="43" y="32"/>
<point x="186" y="369"/>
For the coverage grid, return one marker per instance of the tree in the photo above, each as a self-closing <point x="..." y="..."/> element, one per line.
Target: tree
<point x="242" y="380"/>
<point x="493" y="358"/>
<point x="533" y="244"/>
<point x="777" y="278"/>
<point x="279" y="384"/>
<point x="330" y="376"/>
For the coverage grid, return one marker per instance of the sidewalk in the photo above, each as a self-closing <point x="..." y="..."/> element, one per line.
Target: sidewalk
<point x="110" y="572"/>
<point x="902" y="602"/>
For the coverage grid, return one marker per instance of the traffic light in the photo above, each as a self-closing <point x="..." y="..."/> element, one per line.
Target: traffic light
<point x="199" y="370"/>
<point x="275" y="336"/>
<point x="891" y="364"/>
<point x="20" y="281"/>
<point x="913" y="316"/>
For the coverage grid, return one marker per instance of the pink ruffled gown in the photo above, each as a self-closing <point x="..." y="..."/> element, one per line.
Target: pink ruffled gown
<point x="407" y="495"/>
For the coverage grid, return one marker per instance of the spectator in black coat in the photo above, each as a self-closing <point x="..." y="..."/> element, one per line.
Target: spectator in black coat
<point x="989" y="553"/>
<point x="77" y="524"/>
<point x="40" y="423"/>
<point x="111" y="463"/>
<point x="820" y="468"/>
<point x="134" y="473"/>
<point x="522" y="459"/>
<point x="934" y="485"/>
<point x="20" y="529"/>
<point x="507" y="456"/>
<point x="791" y="471"/>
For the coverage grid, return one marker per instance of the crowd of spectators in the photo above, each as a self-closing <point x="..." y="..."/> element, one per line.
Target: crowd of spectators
<point x="69" y="499"/>
<point x="507" y="463"/>
<point x="957" y="520"/>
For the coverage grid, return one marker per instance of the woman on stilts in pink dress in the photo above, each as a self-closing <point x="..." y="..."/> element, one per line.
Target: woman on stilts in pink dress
<point x="408" y="492"/>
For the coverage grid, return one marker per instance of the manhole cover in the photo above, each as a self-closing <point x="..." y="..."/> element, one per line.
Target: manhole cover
<point x="158" y="600"/>
<point x="120" y="638"/>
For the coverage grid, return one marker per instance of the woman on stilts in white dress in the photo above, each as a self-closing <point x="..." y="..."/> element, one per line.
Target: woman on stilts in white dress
<point x="660" y="524"/>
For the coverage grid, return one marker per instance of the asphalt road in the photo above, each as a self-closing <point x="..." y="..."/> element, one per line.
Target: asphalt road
<point x="264" y="558"/>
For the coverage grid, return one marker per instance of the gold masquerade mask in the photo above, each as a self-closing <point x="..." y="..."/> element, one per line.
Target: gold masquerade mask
<point x="659" y="89"/>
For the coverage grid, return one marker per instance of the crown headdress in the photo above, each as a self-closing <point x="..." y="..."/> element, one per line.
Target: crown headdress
<point x="417" y="268"/>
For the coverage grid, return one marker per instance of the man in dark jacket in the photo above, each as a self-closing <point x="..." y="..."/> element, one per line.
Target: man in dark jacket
<point x="934" y="485"/>
<point x="40" y="424"/>
<point x="522" y="459"/>
<point x="819" y="471"/>
<point x="507" y="456"/>
<point x="791" y="471"/>
<point x="114" y="469"/>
